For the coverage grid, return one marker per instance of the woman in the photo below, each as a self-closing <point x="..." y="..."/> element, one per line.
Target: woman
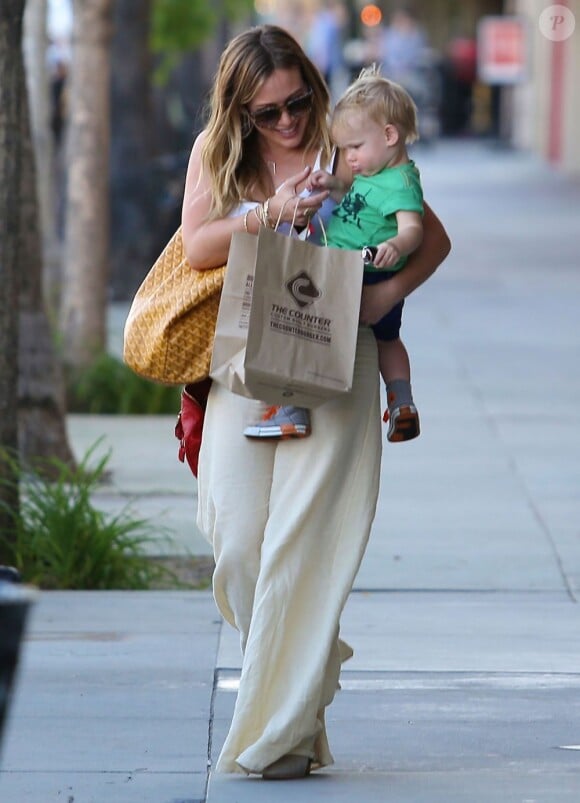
<point x="289" y="520"/>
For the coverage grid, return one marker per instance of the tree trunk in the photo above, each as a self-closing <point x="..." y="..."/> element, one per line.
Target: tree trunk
<point x="86" y="249"/>
<point x="41" y="391"/>
<point x="133" y="182"/>
<point x="11" y="12"/>
<point x="38" y="86"/>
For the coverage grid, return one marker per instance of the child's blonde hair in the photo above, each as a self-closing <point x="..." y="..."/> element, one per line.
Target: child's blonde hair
<point x="382" y="100"/>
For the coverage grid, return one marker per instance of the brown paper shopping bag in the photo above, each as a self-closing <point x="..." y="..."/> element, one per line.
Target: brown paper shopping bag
<point x="229" y="346"/>
<point x="291" y="322"/>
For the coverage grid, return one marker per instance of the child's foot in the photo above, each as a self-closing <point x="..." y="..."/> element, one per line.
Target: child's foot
<point x="281" y="423"/>
<point x="403" y="423"/>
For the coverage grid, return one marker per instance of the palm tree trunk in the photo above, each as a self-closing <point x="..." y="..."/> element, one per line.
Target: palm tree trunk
<point x="86" y="249"/>
<point x="41" y="391"/>
<point x="38" y="85"/>
<point x="11" y="13"/>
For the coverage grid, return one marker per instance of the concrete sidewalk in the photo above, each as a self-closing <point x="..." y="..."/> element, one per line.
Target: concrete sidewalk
<point x="465" y="683"/>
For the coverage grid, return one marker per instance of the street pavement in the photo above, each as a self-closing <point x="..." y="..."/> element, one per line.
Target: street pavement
<point x="465" y="684"/>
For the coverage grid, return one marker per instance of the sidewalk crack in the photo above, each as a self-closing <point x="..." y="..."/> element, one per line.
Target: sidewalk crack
<point x="212" y="712"/>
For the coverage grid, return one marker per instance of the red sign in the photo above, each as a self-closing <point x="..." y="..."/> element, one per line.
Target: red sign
<point x="502" y="50"/>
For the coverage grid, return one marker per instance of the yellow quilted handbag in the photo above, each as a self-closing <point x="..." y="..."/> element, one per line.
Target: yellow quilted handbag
<point x="170" y="328"/>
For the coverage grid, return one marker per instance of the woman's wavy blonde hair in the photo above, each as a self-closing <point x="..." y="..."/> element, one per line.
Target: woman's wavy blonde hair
<point x="230" y="154"/>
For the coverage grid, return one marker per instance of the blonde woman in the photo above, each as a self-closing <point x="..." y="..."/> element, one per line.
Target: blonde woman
<point x="288" y="520"/>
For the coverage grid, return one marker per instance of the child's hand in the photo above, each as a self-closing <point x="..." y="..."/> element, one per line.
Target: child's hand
<point x="388" y="254"/>
<point x="321" y="180"/>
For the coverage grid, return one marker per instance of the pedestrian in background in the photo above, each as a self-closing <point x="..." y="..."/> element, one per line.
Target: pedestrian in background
<point x="403" y="51"/>
<point x="324" y="42"/>
<point x="402" y="46"/>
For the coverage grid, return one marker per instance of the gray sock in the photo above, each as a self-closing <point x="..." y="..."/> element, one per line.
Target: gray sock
<point x="399" y="393"/>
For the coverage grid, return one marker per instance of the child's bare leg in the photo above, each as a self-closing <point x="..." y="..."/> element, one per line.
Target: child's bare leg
<point x="395" y="368"/>
<point x="393" y="360"/>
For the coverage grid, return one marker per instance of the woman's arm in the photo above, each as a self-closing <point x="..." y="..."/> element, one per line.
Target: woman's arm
<point x="207" y="242"/>
<point x="378" y="299"/>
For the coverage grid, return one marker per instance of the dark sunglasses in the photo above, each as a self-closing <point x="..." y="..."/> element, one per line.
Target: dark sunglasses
<point x="269" y="116"/>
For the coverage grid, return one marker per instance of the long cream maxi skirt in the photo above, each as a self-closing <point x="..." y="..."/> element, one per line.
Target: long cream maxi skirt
<point x="289" y="522"/>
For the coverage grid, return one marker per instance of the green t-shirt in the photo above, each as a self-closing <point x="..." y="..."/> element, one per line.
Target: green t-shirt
<point x="366" y="214"/>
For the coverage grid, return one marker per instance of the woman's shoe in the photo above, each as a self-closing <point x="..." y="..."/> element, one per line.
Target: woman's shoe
<point x="288" y="768"/>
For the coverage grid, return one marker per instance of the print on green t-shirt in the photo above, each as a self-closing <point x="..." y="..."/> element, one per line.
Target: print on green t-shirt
<point x="367" y="213"/>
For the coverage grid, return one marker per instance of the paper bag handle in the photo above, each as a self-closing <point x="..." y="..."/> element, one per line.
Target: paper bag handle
<point x="279" y="220"/>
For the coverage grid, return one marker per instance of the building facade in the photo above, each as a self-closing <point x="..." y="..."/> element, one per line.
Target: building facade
<point x="545" y="109"/>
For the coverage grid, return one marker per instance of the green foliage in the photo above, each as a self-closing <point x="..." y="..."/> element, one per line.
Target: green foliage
<point x="109" y="386"/>
<point x="179" y="26"/>
<point x="235" y="10"/>
<point x="182" y="25"/>
<point x="59" y="540"/>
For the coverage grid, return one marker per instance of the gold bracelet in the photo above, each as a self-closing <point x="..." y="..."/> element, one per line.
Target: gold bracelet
<point x="257" y="211"/>
<point x="265" y="209"/>
<point x="263" y="214"/>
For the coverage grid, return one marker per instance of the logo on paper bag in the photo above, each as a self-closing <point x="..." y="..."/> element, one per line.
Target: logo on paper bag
<point x="303" y="290"/>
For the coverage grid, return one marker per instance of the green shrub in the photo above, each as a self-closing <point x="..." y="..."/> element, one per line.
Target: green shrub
<point x="59" y="540"/>
<point x="109" y="386"/>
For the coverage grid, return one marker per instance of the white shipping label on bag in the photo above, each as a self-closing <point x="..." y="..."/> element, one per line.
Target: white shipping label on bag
<point x="229" y="347"/>
<point x="244" y="320"/>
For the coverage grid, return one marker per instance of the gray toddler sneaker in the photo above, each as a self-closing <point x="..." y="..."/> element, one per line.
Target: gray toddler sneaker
<point x="281" y="423"/>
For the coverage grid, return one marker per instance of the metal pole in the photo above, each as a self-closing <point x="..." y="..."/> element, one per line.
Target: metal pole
<point x="15" y="602"/>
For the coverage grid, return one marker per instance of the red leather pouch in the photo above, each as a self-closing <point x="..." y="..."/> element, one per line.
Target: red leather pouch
<point x="189" y="425"/>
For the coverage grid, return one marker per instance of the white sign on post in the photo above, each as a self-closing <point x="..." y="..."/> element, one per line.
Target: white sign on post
<point x="502" y="50"/>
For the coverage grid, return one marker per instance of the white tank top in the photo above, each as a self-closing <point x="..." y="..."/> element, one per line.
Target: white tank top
<point x="314" y="232"/>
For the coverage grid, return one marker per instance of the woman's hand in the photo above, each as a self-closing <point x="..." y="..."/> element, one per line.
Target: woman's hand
<point x="286" y="206"/>
<point x="377" y="301"/>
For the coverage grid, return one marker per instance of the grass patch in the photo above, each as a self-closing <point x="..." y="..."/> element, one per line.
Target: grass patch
<point x="109" y="386"/>
<point x="59" y="540"/>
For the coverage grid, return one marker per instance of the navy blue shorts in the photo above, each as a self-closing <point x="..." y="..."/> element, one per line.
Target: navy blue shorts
<point x="389" y="326"/>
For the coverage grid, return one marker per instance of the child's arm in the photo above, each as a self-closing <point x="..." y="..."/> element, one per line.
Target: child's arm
<point x="321" y="180"/>
<point x="378" y="299"/>
<point x="407" y="240"/>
